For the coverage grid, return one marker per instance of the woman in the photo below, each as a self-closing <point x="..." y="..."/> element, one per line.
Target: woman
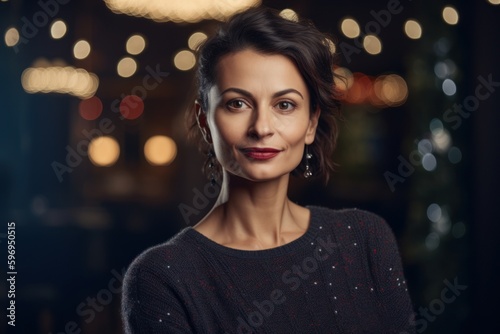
<point x="259" y="263"/>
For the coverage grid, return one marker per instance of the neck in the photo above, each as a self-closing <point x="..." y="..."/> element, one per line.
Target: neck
<point x="258" y="212"/>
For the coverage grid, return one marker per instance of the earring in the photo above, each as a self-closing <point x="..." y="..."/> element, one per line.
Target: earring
<point x="211" y="167"/>
<point x="308" y="173"/>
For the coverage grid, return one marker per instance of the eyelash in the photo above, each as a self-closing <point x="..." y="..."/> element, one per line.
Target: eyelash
<point x="230" y="106"/>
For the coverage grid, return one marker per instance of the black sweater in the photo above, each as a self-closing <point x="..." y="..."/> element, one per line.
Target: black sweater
<point x="343" y="275"/>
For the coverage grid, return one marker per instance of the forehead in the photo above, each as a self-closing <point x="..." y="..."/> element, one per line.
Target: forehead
<point x="252" y="70"/>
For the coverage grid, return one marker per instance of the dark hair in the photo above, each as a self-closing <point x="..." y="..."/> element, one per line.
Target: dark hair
<point x="264" y="30"/>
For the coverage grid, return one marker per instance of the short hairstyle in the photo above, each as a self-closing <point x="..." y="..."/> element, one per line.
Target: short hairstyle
<point x="264" y="30"/>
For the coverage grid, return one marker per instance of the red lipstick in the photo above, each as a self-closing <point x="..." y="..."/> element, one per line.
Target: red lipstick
<point x="260" y="153"/>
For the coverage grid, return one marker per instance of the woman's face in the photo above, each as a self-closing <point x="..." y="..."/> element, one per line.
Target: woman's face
<point x="259" y="117"/>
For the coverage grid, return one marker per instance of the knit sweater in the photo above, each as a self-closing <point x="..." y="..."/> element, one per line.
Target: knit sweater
<point x="344" y="275"/>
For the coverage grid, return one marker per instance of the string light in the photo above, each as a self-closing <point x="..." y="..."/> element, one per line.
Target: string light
<point x="413" y="29"/>
<point x="56" y="79"/>
<point x="450" y="15"/>
<point x="58" y="29"/>
<point x="289" y="14"/>
<point x="350" y="28"/>
<point x="184" y="60"/>
<point x="181" y="11"/>
<point x="11" y="37"/>
<point x="135" y="44"/>
<point x="372" y="44"/>
<point x="160" y="150"/>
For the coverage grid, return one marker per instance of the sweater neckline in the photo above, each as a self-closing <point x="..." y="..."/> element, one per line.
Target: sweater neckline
<point x="305" y="239"/>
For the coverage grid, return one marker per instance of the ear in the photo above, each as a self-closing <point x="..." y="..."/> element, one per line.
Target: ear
<point x="201" y="119"/>
<point x="313" y="125"/>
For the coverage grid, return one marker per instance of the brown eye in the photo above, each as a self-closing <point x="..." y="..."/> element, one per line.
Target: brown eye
<point x="236" y="104"/>
<point x="286" y="105"/>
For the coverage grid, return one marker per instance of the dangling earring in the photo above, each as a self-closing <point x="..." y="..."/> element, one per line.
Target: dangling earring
<point x="308" y="173"/>
<point x="211" y="167"/>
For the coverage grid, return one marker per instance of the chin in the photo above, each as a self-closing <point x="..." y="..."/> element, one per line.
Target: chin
<point x="261" y="175"/>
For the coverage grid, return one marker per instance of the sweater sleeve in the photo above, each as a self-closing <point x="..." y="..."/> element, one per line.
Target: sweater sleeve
<point x="395" y="308"/>
<point x="149" y="303"/>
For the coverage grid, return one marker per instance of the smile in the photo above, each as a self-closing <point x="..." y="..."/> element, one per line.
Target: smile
<point x="260" y="153"/>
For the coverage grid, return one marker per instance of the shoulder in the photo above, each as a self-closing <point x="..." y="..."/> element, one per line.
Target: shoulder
<point x="364" y="223"/>
<point x="352" y="215"/>
<point x="155" y="262"/>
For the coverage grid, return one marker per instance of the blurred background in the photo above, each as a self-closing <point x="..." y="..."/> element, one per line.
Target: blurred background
<point x="95" y="166"/>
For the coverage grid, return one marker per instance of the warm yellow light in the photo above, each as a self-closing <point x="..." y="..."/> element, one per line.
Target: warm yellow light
<point x="181" y="11"/>
<point x="58" y="29"/>
<point x="57" y="79"/>
<point x="391" y="89"/>
<point x="350" y="28"/>
<point x="135" y="44"/>
<point x="372" y="44"/>
<point x="81" y="49"/>
<point x="331" y="46"/>
<point x="184" y="60"/>
<point x="343" y="78"/>
<point x="450" y="15"/>
<point x="494" y="2"/>
<point x="11" y="37"/>
<point x="104" y="151"/>
<point x="196" y="39"/>
<point x="126" y="67"/>
<point x="289" y="14"/>
<point x="413" y="29"/>
<point x="160" y="150"/>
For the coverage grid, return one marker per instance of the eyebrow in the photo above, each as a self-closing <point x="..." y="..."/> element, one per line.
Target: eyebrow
<point x="248" y="94"/>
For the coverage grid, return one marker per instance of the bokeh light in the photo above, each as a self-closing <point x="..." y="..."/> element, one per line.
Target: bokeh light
<point x="413" y="29"/>
<point x="58" y="79"/>
<point x="432" y="241"/>
<point x="449" y="87"/>
<point x="424" y="146"/>
<point x="331" y="45"/>
<point x="441" y="140"/>
<point x="429" y="162"/>
<point x="81" y="50"/>
<point x="90" y="109"/>
<point x="126" y="67"/>
<point x="343" y="79"/>
<point x="135" y="44"/>
<point x="454" y="155"/>
<point x="11" y="37"/>
<point x="372" y="44"/>
<point x="289" y="14"/>
<point x="181" y="11"/>
<point x="104" y="151"/>
<point x="350" y="28"/>
<point x="184" y="60"/>
<point x="434" y="212"/>
<point x="160" y="150"/>
<point x="450" y="15"/>
<point x="391" y="89"/>
<point x="131" y="107"/>
<point x="494" y="2"/>
<point x="196" y="39"/>
<point x="58" y="29"/>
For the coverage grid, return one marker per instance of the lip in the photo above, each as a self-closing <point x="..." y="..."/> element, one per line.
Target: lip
<point x="260" y="153"/>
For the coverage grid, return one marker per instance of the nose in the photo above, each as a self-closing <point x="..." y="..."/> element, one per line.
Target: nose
<point x="261" y="125"/>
